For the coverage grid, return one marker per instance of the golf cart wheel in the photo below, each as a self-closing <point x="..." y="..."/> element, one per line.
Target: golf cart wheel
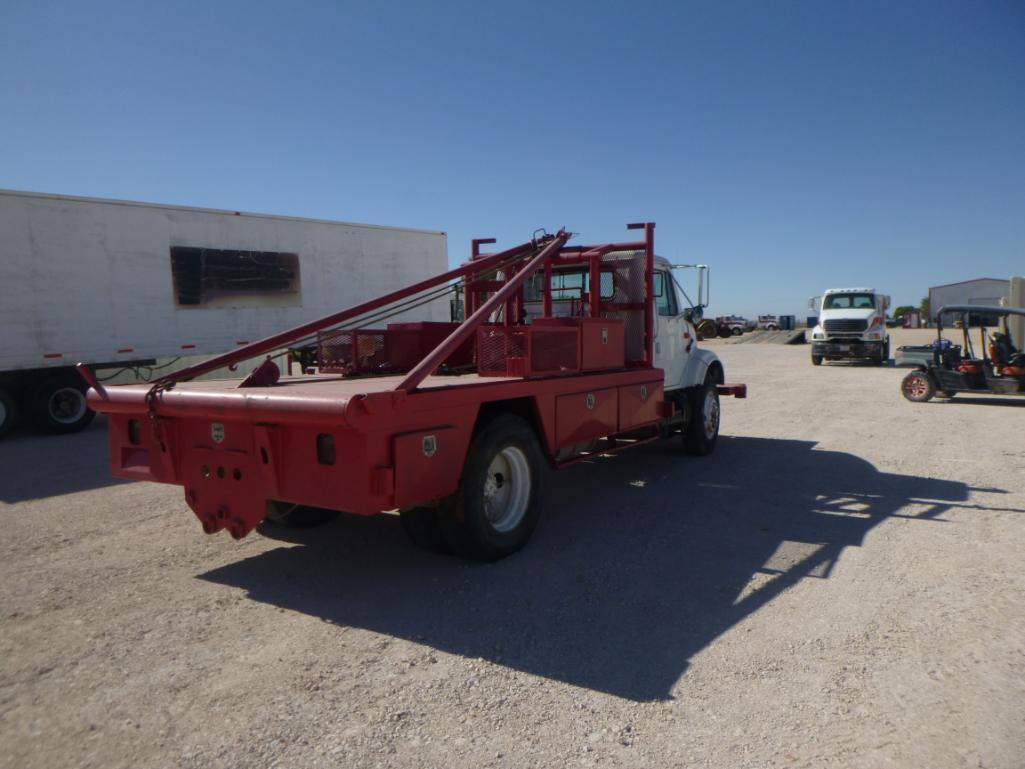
<point x="498" y="503"/>
<point x="816" y="360"/>
<point x="58" y="406"/>
<point x="918" y="387"/>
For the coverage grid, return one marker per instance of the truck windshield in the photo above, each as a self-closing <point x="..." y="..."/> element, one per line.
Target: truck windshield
<point x="848" y="301"/>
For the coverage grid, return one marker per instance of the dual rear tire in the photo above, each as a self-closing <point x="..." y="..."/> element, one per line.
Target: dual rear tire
<point x="498" y="503"/>
<point x="54" y="404"/>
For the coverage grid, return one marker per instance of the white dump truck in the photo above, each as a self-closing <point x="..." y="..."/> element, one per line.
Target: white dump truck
<point x="851" y="325"/>
<point x="118" y="284"/>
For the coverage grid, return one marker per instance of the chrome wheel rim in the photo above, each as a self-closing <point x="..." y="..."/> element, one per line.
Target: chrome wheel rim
<point x="916" y="387"/>
<point x="710" y="415"/>
<point x="507" y="489"/>
<point x="67" y="406"/>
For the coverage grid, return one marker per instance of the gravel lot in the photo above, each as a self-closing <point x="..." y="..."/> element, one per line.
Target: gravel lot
<point x="840" y="584"/>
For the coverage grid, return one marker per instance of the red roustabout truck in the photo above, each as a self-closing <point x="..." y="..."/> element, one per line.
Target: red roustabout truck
<point x="565" y="350"/>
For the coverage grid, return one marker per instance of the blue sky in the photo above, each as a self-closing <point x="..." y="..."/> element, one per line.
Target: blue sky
<point x="791" y="146"/>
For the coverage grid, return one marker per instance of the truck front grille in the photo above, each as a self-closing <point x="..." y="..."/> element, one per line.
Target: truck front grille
<point x="845" y="325"/>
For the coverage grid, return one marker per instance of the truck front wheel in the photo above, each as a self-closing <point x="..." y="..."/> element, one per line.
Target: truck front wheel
<point x="703" y="428"/>
<point x="498" y="503"/>
<point x="816" y="360"/>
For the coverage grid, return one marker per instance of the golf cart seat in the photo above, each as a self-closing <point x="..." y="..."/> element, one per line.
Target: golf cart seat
<point x="1001" y="351"/>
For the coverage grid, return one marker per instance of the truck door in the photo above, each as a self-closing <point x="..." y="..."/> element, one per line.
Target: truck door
<point x="671" y="349"/>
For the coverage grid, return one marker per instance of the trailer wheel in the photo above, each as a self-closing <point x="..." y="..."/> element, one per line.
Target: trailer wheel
<point x="816" y="360"/>
<point x="423" y="529"/>
<point x="703" y="429"/>
<point x="58" y="404"/>
<point x="498" y="503"/>
<point x="8" y="412"/>
<point x="918" y="387"/>
<point x="294" y="516"/>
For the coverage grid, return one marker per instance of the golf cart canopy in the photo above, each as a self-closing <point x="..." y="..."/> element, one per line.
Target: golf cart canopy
<point x="978" y="309"/>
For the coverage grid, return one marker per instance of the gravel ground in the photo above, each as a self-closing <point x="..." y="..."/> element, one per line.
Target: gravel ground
<point x="838" y="585"/>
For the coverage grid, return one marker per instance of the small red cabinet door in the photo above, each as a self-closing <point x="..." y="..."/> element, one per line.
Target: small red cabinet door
<point x="427" y="464"/>
<point x="639" y="404"/>
<point x="585" y="415"/>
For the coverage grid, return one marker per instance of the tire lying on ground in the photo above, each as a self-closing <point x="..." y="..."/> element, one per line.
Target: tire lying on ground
<point x="57" y="404"/>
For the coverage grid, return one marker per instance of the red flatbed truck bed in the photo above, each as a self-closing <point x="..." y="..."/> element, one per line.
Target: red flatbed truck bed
<point x="460" y="454"/>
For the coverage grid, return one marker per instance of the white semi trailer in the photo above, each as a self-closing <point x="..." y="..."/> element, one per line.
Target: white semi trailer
<point x="118" y="284"/>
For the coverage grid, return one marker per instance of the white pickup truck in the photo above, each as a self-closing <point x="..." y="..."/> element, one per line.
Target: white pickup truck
<point x="852" y="325"/>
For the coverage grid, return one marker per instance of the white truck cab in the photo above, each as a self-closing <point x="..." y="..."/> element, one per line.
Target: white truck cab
<point x="851" y="325"/>
<point x="676" y="348"/>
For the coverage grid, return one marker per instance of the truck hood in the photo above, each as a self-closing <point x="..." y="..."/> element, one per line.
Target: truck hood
<point x="861" y="312"/>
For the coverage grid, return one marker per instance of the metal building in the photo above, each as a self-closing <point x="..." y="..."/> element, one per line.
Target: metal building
<point x="986" y="291"/>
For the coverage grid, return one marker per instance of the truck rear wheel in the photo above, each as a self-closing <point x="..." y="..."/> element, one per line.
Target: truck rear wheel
<point x="8" y="412"/>
<point x="58" y="404"/>
<point x="498" y="503"/>
<point x="918" y="387"/>
<point x="702" y="431"/>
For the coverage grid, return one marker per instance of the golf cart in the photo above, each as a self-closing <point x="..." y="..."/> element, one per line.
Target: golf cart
<point x="955" y="368"/>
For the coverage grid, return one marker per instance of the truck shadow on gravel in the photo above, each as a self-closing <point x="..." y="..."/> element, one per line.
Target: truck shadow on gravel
<point x="37" y="466"/>
<point x="640" y="561"/>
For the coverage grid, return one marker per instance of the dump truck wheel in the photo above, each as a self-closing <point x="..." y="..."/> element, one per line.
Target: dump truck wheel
<point x="423" y="529"/>
<point x="8" y="412"/>
<point x="702" y="431"/>
<point x="58" y="405"/>
<point x="918" y="387"/>
<point x="297" y="516"/>
<point x="816" y="360"/>
<point x="498" y="503"/>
